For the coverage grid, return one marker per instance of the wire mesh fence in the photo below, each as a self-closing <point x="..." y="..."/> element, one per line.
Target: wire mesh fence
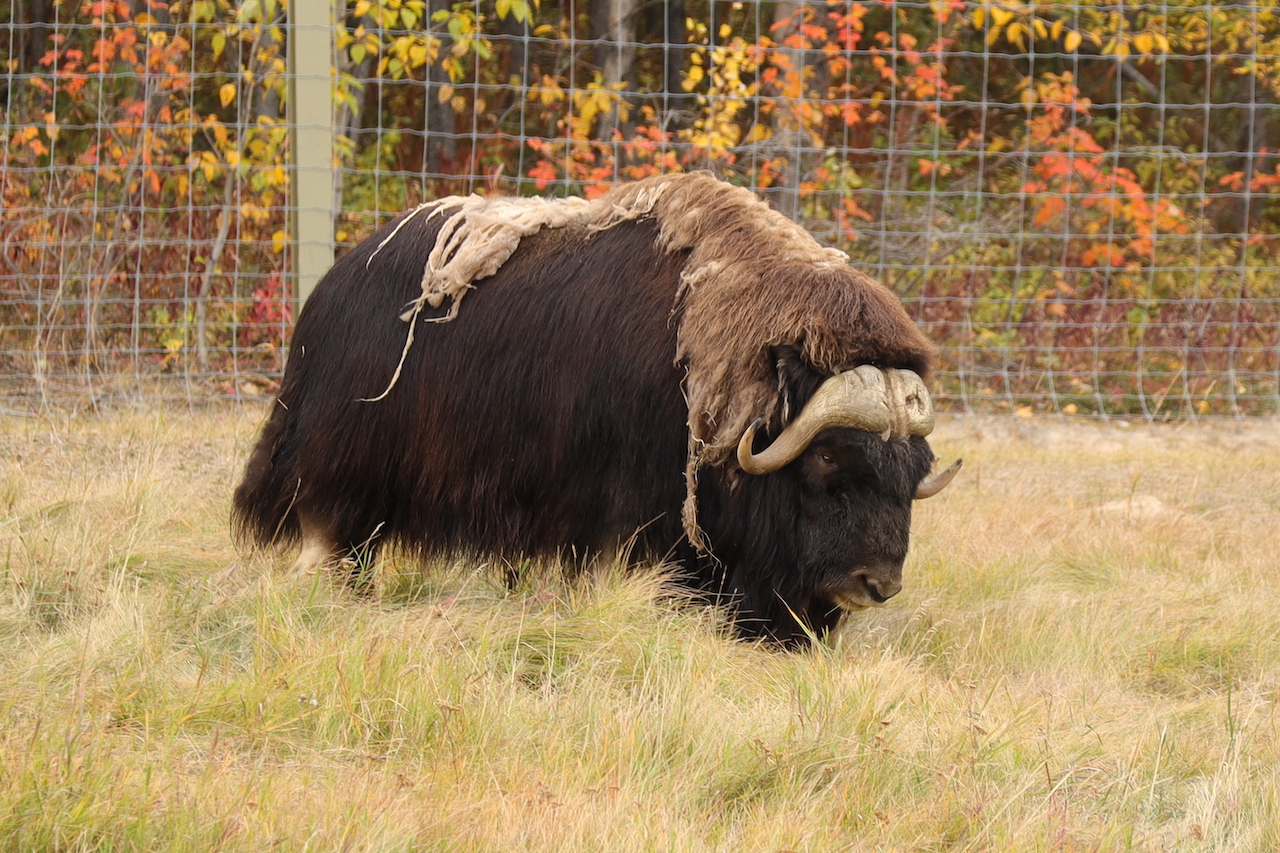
<point x="1080" y="202"/>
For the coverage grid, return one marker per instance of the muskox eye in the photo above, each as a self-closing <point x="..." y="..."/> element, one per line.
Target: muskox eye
<point x="826" y="458"/>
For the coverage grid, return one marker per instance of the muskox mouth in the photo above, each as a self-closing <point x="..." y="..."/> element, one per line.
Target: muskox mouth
<point x="849" y="605"/>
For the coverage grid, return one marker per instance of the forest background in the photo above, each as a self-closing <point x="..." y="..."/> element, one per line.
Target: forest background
<point x="1079" y="201"/>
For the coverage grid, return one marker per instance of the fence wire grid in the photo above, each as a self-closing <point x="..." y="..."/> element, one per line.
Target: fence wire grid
<point x="1079" y="202"/>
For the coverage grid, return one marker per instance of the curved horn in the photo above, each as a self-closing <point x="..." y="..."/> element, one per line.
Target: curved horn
<point x="910" y="408"/>
<point x="932" y="485"/>
<point x="855" y="398"/>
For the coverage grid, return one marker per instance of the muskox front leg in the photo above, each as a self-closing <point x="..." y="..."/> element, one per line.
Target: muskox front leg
<point x="323" y="551"/>
<point x="318" y="553"/>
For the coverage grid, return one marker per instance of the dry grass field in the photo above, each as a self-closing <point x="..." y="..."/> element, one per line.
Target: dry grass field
<point x="1086" y="657"/>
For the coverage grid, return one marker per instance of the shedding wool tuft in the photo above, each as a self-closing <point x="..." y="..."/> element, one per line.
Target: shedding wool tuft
<point x="754" y="280"/>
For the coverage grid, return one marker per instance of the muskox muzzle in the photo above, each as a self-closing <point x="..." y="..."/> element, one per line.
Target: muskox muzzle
<point x="869" y="587"/>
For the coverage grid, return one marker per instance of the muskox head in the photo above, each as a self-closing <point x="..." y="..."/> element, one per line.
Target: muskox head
<point x="823" y="515"/>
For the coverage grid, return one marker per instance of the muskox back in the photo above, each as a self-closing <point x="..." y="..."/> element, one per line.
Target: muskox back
<point x="548" y="418"/>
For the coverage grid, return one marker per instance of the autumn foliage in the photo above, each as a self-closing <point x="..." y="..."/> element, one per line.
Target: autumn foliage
<point x="1080" y="202"/>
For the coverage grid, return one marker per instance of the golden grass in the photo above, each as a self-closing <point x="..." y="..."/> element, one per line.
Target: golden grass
<point x="1086" y="656"/>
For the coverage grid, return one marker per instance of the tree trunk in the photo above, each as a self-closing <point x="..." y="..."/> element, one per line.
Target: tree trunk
<point x="440" y="151"/>
<point x="33" y="32"/>
<point x="515" y="60"/>
<point x="678" y="103"/>
<point x="613" y="28"/>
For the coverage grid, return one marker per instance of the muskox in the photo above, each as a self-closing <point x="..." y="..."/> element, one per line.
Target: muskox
<point x="673" y="371"/>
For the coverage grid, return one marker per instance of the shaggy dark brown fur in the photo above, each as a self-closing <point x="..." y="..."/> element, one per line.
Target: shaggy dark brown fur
<point x="586" y="390"/>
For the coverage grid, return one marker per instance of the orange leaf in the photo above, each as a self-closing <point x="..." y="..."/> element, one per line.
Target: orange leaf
<point x="1050" y="207"/>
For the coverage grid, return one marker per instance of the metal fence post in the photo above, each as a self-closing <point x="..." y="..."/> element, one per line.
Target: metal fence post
<point x="311" y="120"/>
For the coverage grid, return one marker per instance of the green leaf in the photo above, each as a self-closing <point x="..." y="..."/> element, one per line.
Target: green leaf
<point x="203" y="11"/>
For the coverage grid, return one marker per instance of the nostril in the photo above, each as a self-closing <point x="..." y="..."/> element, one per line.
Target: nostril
<point x="867" y="588"/>
<point x="881" y="590"/>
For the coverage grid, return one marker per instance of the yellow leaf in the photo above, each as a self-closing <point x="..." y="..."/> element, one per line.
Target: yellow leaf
<point x="1056" y="32"/>
<point x="1001" y="16"/>
<point x="725" y="31"/>
<point x="233" y="158"/>
<point x="588" y="111"/>
<point x="1041" y="30"/>
<point x="1072" y="41"/>
<point x="692" y="78"/>
<point x="1070" y="409"/>
<point x="1024" y="412"/>
<point x="278" y="241"/>
<point x="549" y="92"/>
<point x="444" y="93"/>
<point x="362" y="8"/>
<point x="227" y="93"/>
<point x="979" y="17"/>
<point x="1144" y="43"/>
